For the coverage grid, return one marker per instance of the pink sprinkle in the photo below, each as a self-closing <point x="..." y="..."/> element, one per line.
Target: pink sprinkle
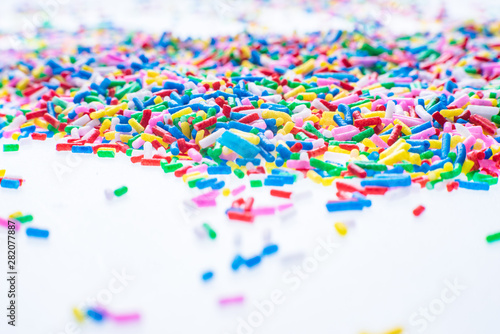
<point x="264" y="210"/>
<point x="238" y="190"/>
<point x="284" y="206"/>
<point x="203" y="203"/>
<point x="200" y="168"/>
<point x="345" y="136"/>
<point x="410" y="121"/>
<point x="231" y="300"/>
<point x="5" y="223"/>
<point x="126" y="317"/>
<point x="207" y="196"/>
<point x="424" y="134"/>
<point x="347" y="100"/>
<point x="298" y="164"/>
<point x="469" y="142"/>
<point x="378" y="141"/>
<point x="128" y="112"/>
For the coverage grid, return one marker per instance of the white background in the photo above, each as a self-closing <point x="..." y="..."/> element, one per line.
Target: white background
<point x="388" y="266"/>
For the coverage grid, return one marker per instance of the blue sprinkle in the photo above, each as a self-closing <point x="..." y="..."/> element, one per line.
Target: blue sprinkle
<point x="253" y="261"/>
<point x="207" y="276"/>
<point x="37" y="233"/>
<point x="268" y="250"/>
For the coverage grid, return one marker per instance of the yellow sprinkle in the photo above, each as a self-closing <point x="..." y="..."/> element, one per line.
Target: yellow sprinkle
<point x="315" y="177"/>
<point x="158" y="100"/>
<point x="152" y="73"/>
<point x="432" y="175"/>
<point x="312" y="118"/>
<point x="37" y="71"/>
<point x="106" y="149"/>
<point x="388" y="127"/>
<point x="467" y="166"/>
<point x="148" y="137"/>
<point x="374" y="86"/>
<point x="308" y="96"/>
<point x="367" y="104"/>
<point x="185" y="111"/>
<point x="28" y="123"/>
<point x="125" y="138"/>
<point x="380" y="114"/>
<point x="288" y="127"/>
<point x="254" y="139"/>
<point x="226" y="192"/>
<point x="14" y="214"/>
<point x="80" y="317"/>
<point x="397" y="330"/>
<point x="368" y="143"/>
<point x="275" y="114"/>
<point x="185" y="176"/>
<point x="451" y="112"/>
<point x="2" y="172"/>
<point x="199" y="136"/>
<point x="294" y="92"/>
<point x="16" y="135"/>
<point x="341" y="228"/>
<point x="111" y="111"/>
<point x="201" y="114"/>
<point x="337" y="149"/>
<point x="23" y="83"/>
<point x="392" y="148"/>
<point x="415" y="159"/>
<point x="97" y="114"/>
<point x="405" y="129"/>
<point x="455" y="140"/>
<point x="135" y="125"/>
<point x="340" y="95"/>
<point x="478" y="144"/>
<point x="448" y="167"/>
<point x="435" y="144"/>
<point x="327" y="181"/>
<point x="400" y="154"/>
<point x="105" y="126"/>
<point x="110" y="135"/>
<point x="41" y="123"/>
<point x="305" y="68"/>
<point x="185" y="129"/>
<point x="59" y="135"/>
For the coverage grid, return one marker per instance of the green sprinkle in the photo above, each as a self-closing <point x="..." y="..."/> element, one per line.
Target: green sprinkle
<point x="211" y="233"/>
<point x="493" y="237"/>
<point x="105" y="154"/>
<point x="239" y="173"/>
<point x="10" y="147"/>
<point x="255" y="183"/>
<point x="169" y="168"/>
<point x="121" y="191"/>
<point x="24" y="219"/>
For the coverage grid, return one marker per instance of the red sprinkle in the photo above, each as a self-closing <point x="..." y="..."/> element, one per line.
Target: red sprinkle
<point x="280" y="193"/>
<point x="418" y="210"/>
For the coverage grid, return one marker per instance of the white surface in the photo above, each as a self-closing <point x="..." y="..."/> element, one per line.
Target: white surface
<point x="387" y="267"/>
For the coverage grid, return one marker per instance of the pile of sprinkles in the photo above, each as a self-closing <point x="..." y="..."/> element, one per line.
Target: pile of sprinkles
<point x="360" y="113"/>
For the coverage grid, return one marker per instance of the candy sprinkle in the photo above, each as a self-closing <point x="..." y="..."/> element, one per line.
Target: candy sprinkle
<point x="418" y="210"/>
<point x="493" y="237"/>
